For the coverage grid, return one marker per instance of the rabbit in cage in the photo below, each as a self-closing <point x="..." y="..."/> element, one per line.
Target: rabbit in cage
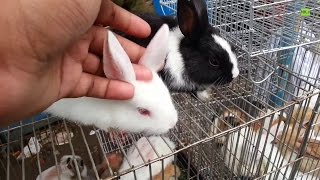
<point x="302" y="113"/>
<point x="66" y="170"/>
<point x="198" y="56"/>
<point x="151" y="110"/>
<point x="246" y="149"/>
<point x="290" y="142"/>
<point x="235" y="116"/>
<point x="150" y="148"/>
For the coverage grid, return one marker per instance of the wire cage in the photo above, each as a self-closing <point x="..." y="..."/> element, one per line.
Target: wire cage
<point x="263" y="125"/>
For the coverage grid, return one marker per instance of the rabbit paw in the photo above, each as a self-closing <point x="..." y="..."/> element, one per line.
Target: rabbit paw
<point x="204" y="95"/>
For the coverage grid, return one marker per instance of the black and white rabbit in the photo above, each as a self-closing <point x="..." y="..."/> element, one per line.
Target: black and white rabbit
<point x="198" y="56"/>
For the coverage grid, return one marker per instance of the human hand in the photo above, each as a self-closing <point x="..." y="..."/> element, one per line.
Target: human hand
<point x="51" y="49"/>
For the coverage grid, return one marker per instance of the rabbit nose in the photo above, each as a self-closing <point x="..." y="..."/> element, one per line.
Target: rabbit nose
<point x="235" y="72"/>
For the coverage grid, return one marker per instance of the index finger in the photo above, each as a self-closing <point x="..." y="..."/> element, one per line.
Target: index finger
<point x="118" y="18"/>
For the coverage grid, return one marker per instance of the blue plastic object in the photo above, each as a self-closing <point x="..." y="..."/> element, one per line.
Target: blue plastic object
<point x="162" y="10"/>
<point x="286" y="61"/>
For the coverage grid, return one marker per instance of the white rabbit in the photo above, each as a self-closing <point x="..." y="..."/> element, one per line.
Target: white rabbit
<point x="151" y="110"/>
<point x="276" y="158"/>
<point x="67" y="169"/>
<point x="240" y="156"/>
<point x="160" y="146"/>
<point x="290" y="141"/>
<point x="238" y="152"/>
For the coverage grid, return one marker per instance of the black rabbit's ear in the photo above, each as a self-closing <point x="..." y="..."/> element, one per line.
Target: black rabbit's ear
<point x="192" y="18"/>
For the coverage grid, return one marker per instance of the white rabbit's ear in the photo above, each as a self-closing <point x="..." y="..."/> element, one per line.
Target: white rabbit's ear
<point x="157" y="50"/>
<point x="116" y="63"/>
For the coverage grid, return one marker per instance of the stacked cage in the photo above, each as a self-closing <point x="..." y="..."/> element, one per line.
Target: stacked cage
<point x="264" y="125"/>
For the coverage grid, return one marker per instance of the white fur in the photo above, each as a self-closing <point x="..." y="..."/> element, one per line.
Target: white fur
<point x="248" y="142"/>
<point x="226" y="46"/>
<point x="160" y="147"/>
<point x="174" y="64"/>
<point x="238" y="145"/>
<point x="52" y="173"/>
<point x="152" y="95"/>
<point x="204" y="95"/>
<point x="157" y="49"/>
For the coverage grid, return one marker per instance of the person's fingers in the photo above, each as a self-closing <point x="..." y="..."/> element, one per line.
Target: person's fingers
<point x="96" y="36"/>
<point x="95" y="86"/>
<point x="142" y="73"/>
<point x="133" y="50"/>
<point x="112" y="15"/>
<point x="92" y="65"/>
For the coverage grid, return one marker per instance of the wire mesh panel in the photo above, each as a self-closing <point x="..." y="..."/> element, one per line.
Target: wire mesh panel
<point x="263" y="125"/>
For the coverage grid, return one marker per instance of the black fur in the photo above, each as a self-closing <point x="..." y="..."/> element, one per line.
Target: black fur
<point x="206" y="63"/>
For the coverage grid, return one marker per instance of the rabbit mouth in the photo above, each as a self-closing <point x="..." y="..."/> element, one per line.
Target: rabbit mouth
<point x="222" y="80"/>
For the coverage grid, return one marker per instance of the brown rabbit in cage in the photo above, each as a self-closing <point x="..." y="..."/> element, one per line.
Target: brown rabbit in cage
<point x="300" y="114"/>
<point x="291" y="140"/>
<point x="258" y="148"/>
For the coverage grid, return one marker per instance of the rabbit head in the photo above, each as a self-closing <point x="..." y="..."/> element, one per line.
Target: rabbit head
<point x="151" y="108"/>
<point x="211" y="55"/>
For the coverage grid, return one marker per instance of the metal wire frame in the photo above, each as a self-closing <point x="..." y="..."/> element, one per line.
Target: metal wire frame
<point x="202" y="157"/>
<point x="202" y="153"/>
<point x="262" y="27"/>
<point x="250" y="23"/>
<point x="197" y="148"/>
<point x="195" y="120"/>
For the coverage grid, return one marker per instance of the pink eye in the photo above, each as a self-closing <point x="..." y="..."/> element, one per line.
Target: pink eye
<point x="144" y="112"/>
